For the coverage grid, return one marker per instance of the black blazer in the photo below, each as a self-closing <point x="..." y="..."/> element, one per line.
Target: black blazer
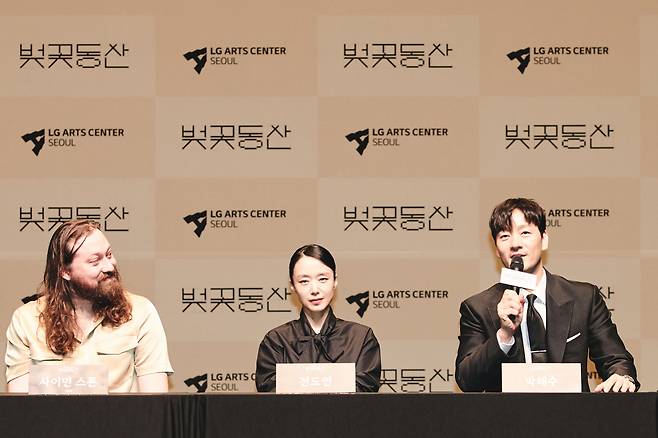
<point x="574" y="310"/>
<point x="339" y="341"/>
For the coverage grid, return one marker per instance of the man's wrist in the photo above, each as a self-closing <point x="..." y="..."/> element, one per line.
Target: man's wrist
<point x="505" y="346"/>
<point x="504" y="337"/>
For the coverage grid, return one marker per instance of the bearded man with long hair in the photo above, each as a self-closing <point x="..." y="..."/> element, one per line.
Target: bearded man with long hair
<point x="83" y="315"/>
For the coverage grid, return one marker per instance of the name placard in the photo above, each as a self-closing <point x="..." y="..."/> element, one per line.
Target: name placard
<point x="306" y="378"/>
<point x="68" y="379"/>
<point x="541" y="377"/>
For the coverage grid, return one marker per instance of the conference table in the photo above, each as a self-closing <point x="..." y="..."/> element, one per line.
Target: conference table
<point x="330" y="415"/>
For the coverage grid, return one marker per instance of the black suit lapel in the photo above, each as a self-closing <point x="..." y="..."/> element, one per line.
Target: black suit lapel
<point x="559" y="309"/>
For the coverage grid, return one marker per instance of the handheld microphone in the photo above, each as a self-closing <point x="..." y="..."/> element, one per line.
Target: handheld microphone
<point x="516" y="265"/>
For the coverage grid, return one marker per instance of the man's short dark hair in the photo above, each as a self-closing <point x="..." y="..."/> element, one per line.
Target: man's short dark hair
<point x="501" y="216"/>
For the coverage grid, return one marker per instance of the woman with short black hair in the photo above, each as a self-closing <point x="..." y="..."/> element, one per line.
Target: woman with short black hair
<point x="318" y="336"/>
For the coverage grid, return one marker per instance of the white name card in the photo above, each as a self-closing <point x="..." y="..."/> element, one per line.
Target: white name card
<point x="308" y="378"/>
<point x="541" y="377"/>
<point x="68" y="379"/>
<point x="518" y="278"/>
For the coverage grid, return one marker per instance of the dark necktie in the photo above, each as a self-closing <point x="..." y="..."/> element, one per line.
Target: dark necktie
<point x="536" y="332"/>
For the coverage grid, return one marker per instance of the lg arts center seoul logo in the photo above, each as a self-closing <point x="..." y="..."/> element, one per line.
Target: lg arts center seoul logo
<point x="37" y="138"/>
<point x="361" y="138"/>
<point x="222" y="382"/>
<point x="391" y="137"/>
<point x="66" y="138"/>
<point x="392" y="299"/>
<point x="546" y="56"/>
<point x="228" y="56"/>
<point x="227" y="219"/>
<point x="563" y="217"/>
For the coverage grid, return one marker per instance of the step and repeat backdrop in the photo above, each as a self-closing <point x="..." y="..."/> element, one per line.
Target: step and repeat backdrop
<point x="211" y="139"/>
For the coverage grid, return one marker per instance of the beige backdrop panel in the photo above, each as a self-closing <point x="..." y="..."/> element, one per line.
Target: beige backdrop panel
<point x="649" y="324"/>
<point x="287" y="210"/>
<point x="288" y="71"/>
<point x="647" y="364"/>
<point x="649" y="115"/>
<point x="405" y="136"/>
<point x="560" y="137"/>
<point x="81" y="137"/>
<point x="649" y="300"/>
<point x="34" y="208"/>
<point x="611" y="74"/>
<point x="81" y="7"/>
<point x="398" y="55"/>
<point x="419" y="366"/>
<point x="408" y="298"/>
<point x="648" y="215"/>
<point x="649" y="55"/>
<point x="239" y="137"/>
<point x="411" y="214"/>
<point x="223" y="299"/>
<point x="69" y="43"/>
<point x="214" y="366"/>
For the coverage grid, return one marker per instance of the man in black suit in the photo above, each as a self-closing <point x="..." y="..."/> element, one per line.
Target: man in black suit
<point x="494" y="323"/>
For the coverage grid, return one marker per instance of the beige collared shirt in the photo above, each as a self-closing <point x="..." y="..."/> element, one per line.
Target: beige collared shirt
<point x="136" y="348"/>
